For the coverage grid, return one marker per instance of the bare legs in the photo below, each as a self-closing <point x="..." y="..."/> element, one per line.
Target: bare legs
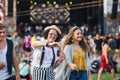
<point x="100" y="73"/>
<point x="113" y="73"/>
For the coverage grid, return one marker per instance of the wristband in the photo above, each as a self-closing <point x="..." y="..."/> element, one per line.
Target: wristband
<point x="47" y="44"/>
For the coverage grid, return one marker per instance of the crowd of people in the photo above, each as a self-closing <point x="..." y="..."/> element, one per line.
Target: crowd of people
<point x="53" y="56"/>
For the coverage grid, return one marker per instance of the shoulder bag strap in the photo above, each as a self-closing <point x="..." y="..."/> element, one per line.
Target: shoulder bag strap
<point x="22" y="67"/>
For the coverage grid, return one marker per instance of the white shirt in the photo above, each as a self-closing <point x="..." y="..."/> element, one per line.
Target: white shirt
<point x="3" y="72"/>
<point x="48" y="57"/>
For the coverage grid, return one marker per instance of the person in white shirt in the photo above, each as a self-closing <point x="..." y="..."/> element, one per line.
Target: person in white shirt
<point x="47" y="54"/>
<point x="7" y="56"/>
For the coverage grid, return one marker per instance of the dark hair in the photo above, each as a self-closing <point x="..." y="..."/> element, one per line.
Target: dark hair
<point x="45" y="34"/>
<point x="25" y="61"/>
<point x="105" y="41"/>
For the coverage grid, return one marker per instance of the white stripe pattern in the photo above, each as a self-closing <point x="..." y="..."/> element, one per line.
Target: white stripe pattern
<point x="43" y="73"/>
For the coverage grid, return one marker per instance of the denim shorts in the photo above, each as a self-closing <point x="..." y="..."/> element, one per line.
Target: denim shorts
<point x="79" y="75"/>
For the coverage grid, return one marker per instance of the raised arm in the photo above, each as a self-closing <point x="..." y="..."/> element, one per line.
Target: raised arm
<point x="39" y="44"/>
<point x="44" y="43"/>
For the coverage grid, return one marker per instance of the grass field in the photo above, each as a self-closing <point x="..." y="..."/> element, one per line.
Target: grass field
<point x="105" y="76"/>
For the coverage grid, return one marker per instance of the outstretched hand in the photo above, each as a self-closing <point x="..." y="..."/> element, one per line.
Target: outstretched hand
<point x="54" y="44"/>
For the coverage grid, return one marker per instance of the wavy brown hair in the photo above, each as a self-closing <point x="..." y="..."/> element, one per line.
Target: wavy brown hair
<point x="45" y="34"/>
<point x="68" y="39"/>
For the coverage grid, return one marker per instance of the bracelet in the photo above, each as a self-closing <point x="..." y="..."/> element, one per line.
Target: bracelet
<point x="47" y="44"/>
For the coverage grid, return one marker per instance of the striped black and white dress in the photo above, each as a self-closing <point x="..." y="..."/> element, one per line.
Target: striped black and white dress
<point x="43" y="73"/>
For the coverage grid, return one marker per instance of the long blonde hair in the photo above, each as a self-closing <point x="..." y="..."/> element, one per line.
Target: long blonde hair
<point x="68" y="39"/>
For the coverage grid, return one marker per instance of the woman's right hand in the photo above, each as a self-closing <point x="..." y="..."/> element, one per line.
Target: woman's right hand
<point x="74" y="67"/>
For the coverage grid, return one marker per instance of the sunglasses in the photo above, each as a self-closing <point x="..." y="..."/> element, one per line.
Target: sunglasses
<point x="53" y="34"/>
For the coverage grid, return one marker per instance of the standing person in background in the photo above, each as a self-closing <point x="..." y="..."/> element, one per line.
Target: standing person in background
<point x="21" y="45"/>
<point x="112" y="44"/>
<point x="98" y="45"/>
<point x="117" y="39"/>
<point x="75" y="49"/>
<point x="7" y="56"/>
<point x="91" y="44"/>
<point x="47" y="54"/>
<point x="106" y="62"/>
<point x="34" y="38"/>
<point x="16" y="41"/>
<point x="27" y="47"/>
<point x="27" y="43"/>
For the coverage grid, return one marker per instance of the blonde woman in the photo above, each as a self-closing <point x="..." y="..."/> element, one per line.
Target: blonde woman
<point x="75" y="49"/>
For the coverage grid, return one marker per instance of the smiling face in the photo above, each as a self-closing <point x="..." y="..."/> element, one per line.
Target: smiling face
<point x="77" y="35"/>
<point x="52" y="35"/>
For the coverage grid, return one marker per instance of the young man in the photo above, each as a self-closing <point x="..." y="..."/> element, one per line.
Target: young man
<point x="7" y="56"/>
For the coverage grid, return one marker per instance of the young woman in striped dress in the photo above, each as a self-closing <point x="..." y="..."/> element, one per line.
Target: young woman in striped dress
<point x="47" y="54"/>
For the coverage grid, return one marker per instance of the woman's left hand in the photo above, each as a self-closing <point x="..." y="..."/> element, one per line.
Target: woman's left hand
<point x="62" y="56"/>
